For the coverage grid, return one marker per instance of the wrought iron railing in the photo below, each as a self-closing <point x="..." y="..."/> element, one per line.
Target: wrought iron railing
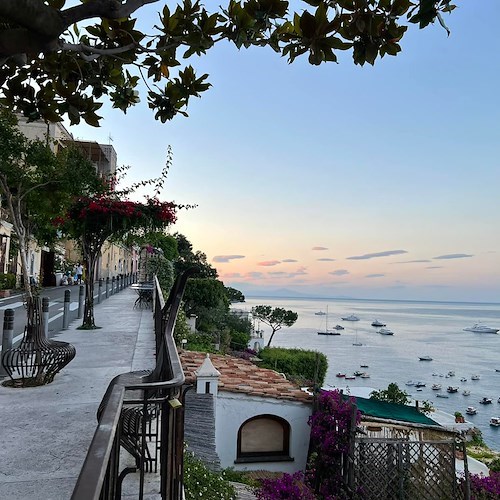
<point x="162" y="431"/>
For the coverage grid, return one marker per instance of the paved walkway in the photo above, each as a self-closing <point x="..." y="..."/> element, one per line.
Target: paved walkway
<point x="45" y="431"/>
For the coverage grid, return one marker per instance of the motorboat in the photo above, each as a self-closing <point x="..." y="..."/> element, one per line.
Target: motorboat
<point x="436" y="387"/>
<point x="358" y="373"/>
<point x="498" y="400"/>
<point x="320" y="313"/>
<point x="410" y="382"/>
<point x="463" y="379"/>
<point x="378" y="323"/>
<point x="420" y="384"/>
<point x="466" y="392"/>
<point x="441" y="395"/>
<point x="338" y="327"/>
<point x="475" y="377"/>
<point x="452" y="389"/>
<point x="385" y="331"/>
<point x="365" y="375"/>
<point x="471" y="410"/>
<point x="349" y="377"/>
<point x="425" y="358"/>
<point x="328" y="332"/>
<point x="340" y="375"/>
<point x="435" y="374"/>
<point x="486" y="401"/>
<point x="351" y="317"/>
<point x="451" y="373"/>
<point x="363" y="366"/>
<point x="495" y="421"/>
<point x="478" y="328"/>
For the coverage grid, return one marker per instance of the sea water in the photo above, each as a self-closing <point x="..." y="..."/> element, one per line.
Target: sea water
<point x="432" y="329"/>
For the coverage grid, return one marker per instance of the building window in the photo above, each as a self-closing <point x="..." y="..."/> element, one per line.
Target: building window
<point x="264" y="438"/>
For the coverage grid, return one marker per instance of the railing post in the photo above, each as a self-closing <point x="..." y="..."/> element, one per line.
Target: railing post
<point x="107" y="287"/>
<point x="99" y="291"/>
<point x="8" y="333"/>
<point x="45" y="315"/>
<point x="112" y="285"/>
<point x="67" y="299"/>
<point x="81" y="299"/>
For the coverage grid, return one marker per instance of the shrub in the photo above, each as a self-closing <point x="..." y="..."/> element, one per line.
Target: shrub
<point x="494" y="465"/>
<point x="7" y="281"/>
<point x="202" y="483"/>
<point x="239" y="341"/>
<point x="287" y="487"/>
<point x="485" y="487"/>
<point x="295" y="363"/>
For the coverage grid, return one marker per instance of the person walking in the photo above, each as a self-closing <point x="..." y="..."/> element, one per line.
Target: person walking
<point x="79" y="273"/>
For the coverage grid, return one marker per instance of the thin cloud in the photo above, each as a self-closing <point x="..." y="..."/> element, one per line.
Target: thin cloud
<point x="412" y="261"/>
<point x="339" y="272"/>
<point x="299" y="272"/>
<point x="254" y="275"/>
<point x="326" y="259"/>
<point x="277" y="273"/>
<point x="434" y="267"/>
<point x="377" y="254"/>
<point x="454" y="256"/>
<point x="269" y="263"/>
<point x="289" y="260"/>
<point x="227" y="258"/>
<point x="376" y="275"/>
<point x="319" y="248"/>
<point x="233" y="275"/>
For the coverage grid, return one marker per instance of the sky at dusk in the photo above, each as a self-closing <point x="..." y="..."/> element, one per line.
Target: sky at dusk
<point x="339" y="180"/>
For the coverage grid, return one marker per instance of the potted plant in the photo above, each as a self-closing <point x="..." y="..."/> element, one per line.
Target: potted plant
<point x="459" y="418"/>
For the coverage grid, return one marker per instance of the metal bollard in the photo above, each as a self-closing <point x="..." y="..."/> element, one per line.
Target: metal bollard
<point x="8" y="333"/>
<point x="107" y="287"/>
<point x="112" y="285"/>
<point x="99" y="291"/>
<point x="81" y="299"/>
<point x="45" y="316"/>
<point x="67" y="299"/>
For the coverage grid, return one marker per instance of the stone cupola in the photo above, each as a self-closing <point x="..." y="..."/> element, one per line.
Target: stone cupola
<point x="207" y="378"/>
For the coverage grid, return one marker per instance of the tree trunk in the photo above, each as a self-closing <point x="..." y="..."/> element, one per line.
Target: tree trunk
<point x="90" y="259"/>
<point x="271" y="338"/>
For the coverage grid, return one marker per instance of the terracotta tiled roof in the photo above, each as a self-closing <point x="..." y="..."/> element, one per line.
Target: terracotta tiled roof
<point x="240" y="375"/>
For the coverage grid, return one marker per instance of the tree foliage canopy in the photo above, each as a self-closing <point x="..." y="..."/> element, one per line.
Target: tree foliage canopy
<point x="276" y="318"/>
<point x="59" y="60"/>
<point x="393" y="394"/>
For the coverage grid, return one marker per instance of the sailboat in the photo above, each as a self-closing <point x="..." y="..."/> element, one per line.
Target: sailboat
<point x="357" y="343"/>
<point x="326" y="331"/>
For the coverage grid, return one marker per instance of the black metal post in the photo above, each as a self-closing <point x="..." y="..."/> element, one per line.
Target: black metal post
<point x="112" y="285"/>
<point x="8" y="332"/>
<point x="107" y="287"/>
<point x="99" y="291"/>
<point x="45" y="316"/>
<point x="81" y="299"/>
<point x="67" y="300"/>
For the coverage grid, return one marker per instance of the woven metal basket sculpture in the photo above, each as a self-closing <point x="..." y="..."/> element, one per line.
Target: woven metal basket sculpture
<point x="36" y="360"/>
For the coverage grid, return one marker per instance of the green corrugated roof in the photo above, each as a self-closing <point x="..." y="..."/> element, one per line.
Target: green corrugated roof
<point x="393" y="411"/>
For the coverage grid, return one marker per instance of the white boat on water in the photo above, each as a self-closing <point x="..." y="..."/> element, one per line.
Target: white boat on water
<point x="475" y="377"/>
<point x="385" y="331"/>
<point x="471" y="410"/>
<point x="452" y="389"/>
<point x="466" y="392"/>
<point x="320" y="313"/>
<point x="377" y="323"/>
<point x="495" y="421"/>
<point x="478" y="328"/>
<point x="436" y="387"/>
<point x="486" y="401"/>
<point x="451" y="373"/>
<point x="351" y="317"/>
<point x="338" y="327"/>
<point x="326" y="331"/>
<point x="463" y="379"/>
<point x="441" y="395"/>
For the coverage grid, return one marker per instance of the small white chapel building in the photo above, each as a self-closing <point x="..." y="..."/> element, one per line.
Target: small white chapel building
<point x="251" y="417"/>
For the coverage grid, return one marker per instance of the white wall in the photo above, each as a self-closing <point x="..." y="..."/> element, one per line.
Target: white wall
<point x="233" y="409"/>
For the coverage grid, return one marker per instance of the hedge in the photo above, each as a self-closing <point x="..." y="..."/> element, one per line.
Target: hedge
<point x="295" y="363"/>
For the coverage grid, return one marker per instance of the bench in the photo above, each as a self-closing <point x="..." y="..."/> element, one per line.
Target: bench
<point x="147" y="404"/>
